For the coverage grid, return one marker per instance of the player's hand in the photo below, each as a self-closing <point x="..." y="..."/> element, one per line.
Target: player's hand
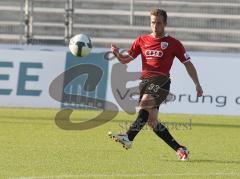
<point x="121" y="58"/>
<point x="115" y="49"/>
<point x="199" y="90"/>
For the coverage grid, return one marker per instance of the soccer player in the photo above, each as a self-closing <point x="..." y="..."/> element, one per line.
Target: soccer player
<point x="157" y="51"/>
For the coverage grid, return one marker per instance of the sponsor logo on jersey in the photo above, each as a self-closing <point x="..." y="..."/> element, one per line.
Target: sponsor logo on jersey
<point x="154" y="53"/>
<point x="164" y="45"/>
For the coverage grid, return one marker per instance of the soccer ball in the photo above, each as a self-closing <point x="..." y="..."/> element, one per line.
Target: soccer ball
<point x="80" y="45"/>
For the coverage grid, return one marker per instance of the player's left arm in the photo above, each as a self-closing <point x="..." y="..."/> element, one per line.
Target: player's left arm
<point x="193" y="74"/>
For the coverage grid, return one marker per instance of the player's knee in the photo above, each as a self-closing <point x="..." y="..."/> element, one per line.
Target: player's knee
<point x="152" y="123"/>
<point x="147" y="104"/>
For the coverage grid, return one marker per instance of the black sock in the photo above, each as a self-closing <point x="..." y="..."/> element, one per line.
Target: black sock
<point x="164" y="134"/>
<point x="138" y="124"/>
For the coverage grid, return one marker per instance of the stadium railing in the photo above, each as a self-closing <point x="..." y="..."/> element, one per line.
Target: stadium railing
<point x="203" y="25"/>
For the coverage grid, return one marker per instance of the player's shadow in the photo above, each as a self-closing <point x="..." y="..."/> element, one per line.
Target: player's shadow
<point x="215" y="161"/>
<point x="208" y="161"/>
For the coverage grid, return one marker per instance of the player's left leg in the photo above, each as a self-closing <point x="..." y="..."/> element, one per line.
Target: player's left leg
<point x="161" y="131"/>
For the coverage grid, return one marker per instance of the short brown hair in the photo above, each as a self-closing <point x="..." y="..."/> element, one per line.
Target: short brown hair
<point x="159" y="12"/>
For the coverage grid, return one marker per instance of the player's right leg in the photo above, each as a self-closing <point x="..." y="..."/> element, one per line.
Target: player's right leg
<point x="121" y="138"/>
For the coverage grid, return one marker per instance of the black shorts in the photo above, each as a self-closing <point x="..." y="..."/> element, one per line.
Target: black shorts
<point x="158" y="87"/>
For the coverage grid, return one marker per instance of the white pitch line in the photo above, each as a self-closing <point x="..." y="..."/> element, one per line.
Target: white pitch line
<point x="126" y="175"/>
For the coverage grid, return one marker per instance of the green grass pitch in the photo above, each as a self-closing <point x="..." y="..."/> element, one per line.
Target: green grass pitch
<point x="32" y="146"/>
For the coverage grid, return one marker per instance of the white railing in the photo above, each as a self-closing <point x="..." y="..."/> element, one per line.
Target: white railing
<point x="28" y="8"/>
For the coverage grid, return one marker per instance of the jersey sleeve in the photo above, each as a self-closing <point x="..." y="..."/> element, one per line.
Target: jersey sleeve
<point x="135" y="49"/>
<point x="181" y="53"/>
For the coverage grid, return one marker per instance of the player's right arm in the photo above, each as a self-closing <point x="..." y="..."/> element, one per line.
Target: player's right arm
<point x="123" y="58"/>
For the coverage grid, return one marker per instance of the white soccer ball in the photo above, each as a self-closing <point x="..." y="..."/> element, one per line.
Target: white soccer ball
<point x="80" y="45"/>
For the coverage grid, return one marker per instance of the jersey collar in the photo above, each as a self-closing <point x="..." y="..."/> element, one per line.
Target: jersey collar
<point x="165" y="35"/>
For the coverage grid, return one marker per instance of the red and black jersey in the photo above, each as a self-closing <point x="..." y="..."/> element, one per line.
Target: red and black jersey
<point x="157" y="54"/>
